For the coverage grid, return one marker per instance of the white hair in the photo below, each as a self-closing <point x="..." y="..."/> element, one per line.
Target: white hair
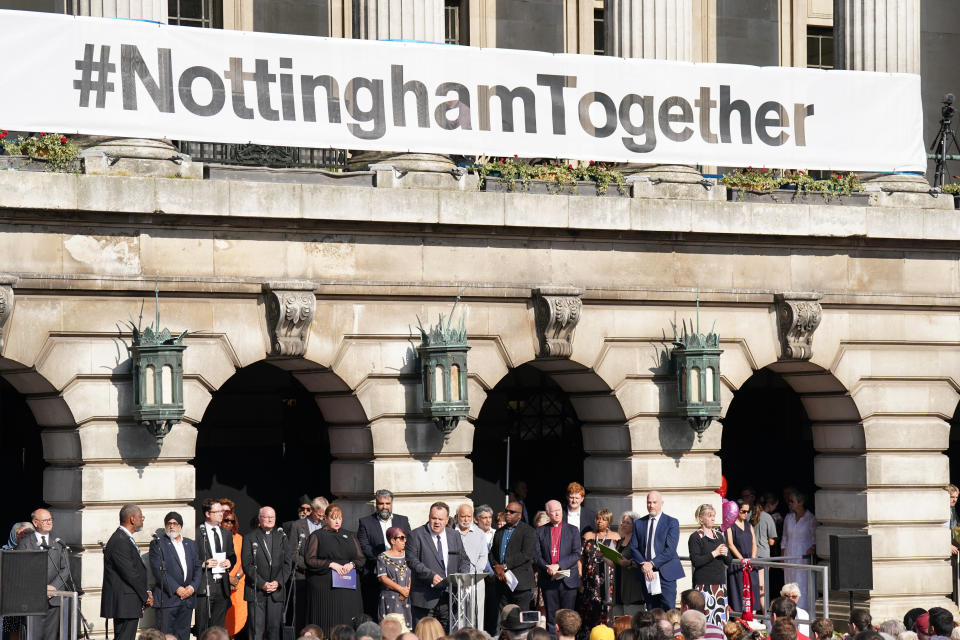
<point x="790" y="589"/>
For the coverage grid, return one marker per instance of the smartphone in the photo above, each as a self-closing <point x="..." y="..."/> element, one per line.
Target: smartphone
<point x="531" y="617"/>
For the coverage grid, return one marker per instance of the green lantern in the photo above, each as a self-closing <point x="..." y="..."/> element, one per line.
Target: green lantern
<point x="157" y="366"/>
<point x="443" y="372"/>
<point x="695" y="360"/>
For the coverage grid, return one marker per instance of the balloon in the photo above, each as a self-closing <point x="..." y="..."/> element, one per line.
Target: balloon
<point x="730" y="511"/>
<point x="723" y="487"/>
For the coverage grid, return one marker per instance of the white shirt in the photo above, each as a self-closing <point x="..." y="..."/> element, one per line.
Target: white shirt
<point x="488" y="536"/>
<point x="181" y="553"/>
<point x="573" y="517"/>
<point x="384" y="525"/>
<point x="313" y="526"/>
<point x="475" y="546"/>
<point x="40" y="537"/>
<point x="211" y="540"/>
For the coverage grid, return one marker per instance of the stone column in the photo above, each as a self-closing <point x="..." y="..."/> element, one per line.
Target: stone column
<point x="408" y="20"/>
<point x="654" y="30"/>
<point x="881" y="35"/>
<point x="131" y="156"/>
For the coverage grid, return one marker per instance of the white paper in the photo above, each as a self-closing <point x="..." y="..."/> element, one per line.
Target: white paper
<point x="511" y="580"/>
<point x="560" y="575"/>
<point x="653" y="586"/>
<point x="219" y="556"/>
<point x="96" y="73"/>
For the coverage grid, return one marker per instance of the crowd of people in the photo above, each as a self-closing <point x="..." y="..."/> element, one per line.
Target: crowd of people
<point x="328" y="581"/>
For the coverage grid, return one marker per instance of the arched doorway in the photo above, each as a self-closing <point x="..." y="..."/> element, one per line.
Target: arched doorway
<point x="262" y="441"/>
<point x="21" y="456"/>
<point x="528" y="408"/>
<point x="767" y="441"/>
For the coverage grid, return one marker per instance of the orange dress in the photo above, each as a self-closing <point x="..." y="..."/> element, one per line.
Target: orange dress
<point x="237" y="614"/>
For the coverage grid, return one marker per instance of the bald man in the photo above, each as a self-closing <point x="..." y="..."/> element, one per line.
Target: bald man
<point x="558" y="550"/>
<point x="267" y="563"/>
<point x="653" y="547"/>
<point x="58" y="568"/>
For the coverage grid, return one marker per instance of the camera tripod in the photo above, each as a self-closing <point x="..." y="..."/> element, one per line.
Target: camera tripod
<point x="941" y="145"/>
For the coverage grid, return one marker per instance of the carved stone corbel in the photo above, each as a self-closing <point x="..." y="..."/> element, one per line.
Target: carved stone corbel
<point x="557" y="312"/>
<point x="6" y="301"/>
<point x="290" y="309"/>
<point x="798" y="316"/>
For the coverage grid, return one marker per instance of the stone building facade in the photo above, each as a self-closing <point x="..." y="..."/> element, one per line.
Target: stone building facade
<point x="854" y="308"/>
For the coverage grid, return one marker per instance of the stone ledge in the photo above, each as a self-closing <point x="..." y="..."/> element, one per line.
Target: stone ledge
<point x="323" y="203"/>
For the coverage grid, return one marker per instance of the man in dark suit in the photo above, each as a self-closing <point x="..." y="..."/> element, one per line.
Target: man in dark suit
<point x="300" y="532"/>
<point x="124" y="595"/>
<point x="512" y="550"/>
<point x="370" y="535"/>
<point x="176" y="567"/>
<point x="653" y="546"/>
<point x="217" y="555"/>
<point x="434" y="551"/>
<point x="58" y="568"/>
<point x="267" y="564"/>
<point x="558" y="549"/>
<point x="576" y="513"/>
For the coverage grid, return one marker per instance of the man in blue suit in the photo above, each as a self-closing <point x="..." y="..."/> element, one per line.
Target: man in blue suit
<point x="653" y="546"/>
<point x="558" y="549"/>
<point x="176" y="568"/>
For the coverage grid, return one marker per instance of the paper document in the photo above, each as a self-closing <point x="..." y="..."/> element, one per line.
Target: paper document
<point x="219" y="556"/>
<point x="512" y="581"/>
<point x="653" y="586"/>
<point x="560" y="575"/>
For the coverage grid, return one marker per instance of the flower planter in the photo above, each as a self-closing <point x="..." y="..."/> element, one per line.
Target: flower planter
<point x="26" y="163"/>
<point x="583" y="188"/>
<point x="792" y="196"/>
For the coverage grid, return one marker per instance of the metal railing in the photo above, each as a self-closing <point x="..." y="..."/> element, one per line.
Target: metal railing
<point x="259" y="155"/>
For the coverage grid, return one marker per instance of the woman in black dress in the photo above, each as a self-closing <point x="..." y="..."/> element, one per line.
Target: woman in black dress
<point x="332" y="550"/>
<point x="709" y="559"/>
<point x="742" y="541"/>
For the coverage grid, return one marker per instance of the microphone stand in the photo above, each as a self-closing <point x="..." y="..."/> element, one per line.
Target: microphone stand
<point x="72" y="586"/>
<point x="106" y="621"/>
<point x="256" y="594"/>
<point x="206" y="577"/>
<point x="292" y="587"/>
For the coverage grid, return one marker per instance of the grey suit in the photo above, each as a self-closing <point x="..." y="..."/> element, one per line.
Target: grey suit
<point x="58" y="576"/>
<point x="424" y="561"/>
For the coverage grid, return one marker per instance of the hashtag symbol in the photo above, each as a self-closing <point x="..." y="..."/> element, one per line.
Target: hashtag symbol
<point x="88" y="67"/>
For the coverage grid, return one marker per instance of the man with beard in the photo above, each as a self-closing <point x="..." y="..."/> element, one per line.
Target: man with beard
<point x="176" y="568"/>
<point x="372" y="536"/>
<point x="124" y="595"/>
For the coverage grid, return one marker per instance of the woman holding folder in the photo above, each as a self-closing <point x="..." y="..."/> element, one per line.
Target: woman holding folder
<point x="598" y="573"/>
<point x="332" y="558"/>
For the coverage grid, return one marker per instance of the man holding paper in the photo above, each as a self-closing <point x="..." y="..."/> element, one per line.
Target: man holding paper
<point x="511" y="557"/>
<point x="433" y="553"/>
<point x="558" y="550"/>
<point x="653" y="547"/>
<point x="217" y="555"/>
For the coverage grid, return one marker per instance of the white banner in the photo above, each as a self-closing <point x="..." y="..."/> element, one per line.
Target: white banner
<point x="136" y="79"/>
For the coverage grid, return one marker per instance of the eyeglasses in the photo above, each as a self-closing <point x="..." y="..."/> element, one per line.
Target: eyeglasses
<point x="173" y="522"/>
<point x="216" y="510"/>
<point x="512" y="511"/>
<point x="400" y="538"/>
<point x="744" y="510"/>
<point x="307" y="509"/>
<point x="229" y="520"/>
<point x="50" y="519"/>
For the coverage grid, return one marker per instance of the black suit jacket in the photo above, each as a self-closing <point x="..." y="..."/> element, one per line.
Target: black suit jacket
<point x="588" y="519"/>
<point x="569" y="554"/>
<point x="423" y="559"/>
<point x="273" y="562"/>
<point x="297" y="559"/>
<point x="370" y="537"/>
<point x="58" y="563"/>
<point x="174" y="577"/>
<point x="206" y="548"/>
<point x="519" y="555"/>
<point x="124" y="579"/>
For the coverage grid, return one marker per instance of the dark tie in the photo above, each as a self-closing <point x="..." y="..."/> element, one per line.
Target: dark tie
<point x="440" y="553"/>
<point x="650" y="539"/>
<point x="217" y="544"/>
<point x="45" y="543"/>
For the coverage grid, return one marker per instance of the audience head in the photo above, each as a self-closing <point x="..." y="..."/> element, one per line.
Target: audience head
<point x="619" y="624"/>
<point x="408" y="635"/>
<point x="673" y="616"/>
<point x="893" y="627"/>
<point x="869" y="634"/>
<point x="783" y="608"/>
<point x="575" y="495"/>
<point x="368" y="629"/>
<point x="922" y="625"/>
<point x="312" y="631"/>
<point x="537" y="633"/>
<point x="733" y="630"/>
<point x="911" y="635"/>
<point x="483" y="515"/>
<point x="643" y="619"/>
<point x="693" y="624"/>
<point x="954" y="492"/>
<point x="692" y="599"/>
<point x="214" y="633"/>
<point x="954" y="635"/>
<point x="664" y="628"/>
<point x="627" y="634"/>
<point x="151" y="634"/>
<point x="791" y="590"/>
<point x="392" y="625"/>
<point x="910" y="617"/>
<point x="784" y="629"/>
<point x="540" y="518"/>
<point x="429" y="628"/>
<point x="941" y="621"/>
<point x="501" y="519"/>
<point x="821" y="629"/>
<point x="469" y="633"/>
<point x="512" y="628"/>
<point x="342" y="631"/>
<point x="318" y="509"/>
<point x="860" y="620"/>
<point x="706" y="515"/>
<point x="602" y="632"/>
<point x="568" y="623"/>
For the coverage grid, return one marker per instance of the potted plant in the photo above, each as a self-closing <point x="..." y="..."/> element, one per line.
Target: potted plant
<point x="513" y="174"/>
<point x="763" y="185"/>
<point x="43" y="152"/>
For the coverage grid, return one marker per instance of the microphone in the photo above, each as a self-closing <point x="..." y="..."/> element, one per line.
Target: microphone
<point x="255" y="545"/>
<point x="102" y="547"/>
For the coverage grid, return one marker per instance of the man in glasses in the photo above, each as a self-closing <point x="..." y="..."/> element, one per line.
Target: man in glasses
<point x="312" y="516"/>
<point x="511" y="557"/>
<point x="58" y="568"/>
<point x="372" y="536"/>
<point x="217" y="555"/>
<point x="176" y="568"/>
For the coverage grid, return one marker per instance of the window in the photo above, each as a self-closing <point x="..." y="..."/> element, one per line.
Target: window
<point x="599" y="33"/>
<point x="455" y="22"/>
<point x="195" y="13"/>
<point x="820" y="47"/>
